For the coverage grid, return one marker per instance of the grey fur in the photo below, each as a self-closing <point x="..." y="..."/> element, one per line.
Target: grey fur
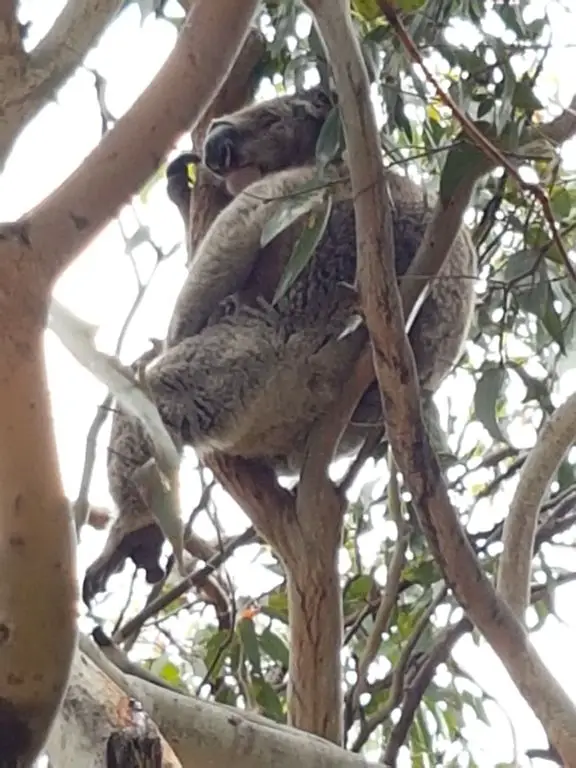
<point x="253" y="385"/>
<point x="249" y="379"/>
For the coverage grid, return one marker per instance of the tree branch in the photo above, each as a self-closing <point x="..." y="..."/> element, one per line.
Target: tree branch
<point x="49" y="237"/>
<point x="194" y="579"/>
<point x="552" y="444"/>
<point x="418" y="686"/>
<point x="38" y="75"/>
<point x="100" y="721"/>
<point x="390" y="592"/>
<point x="37" y="552"/>
<point x="395" y="370"/>
<point x="201" y="733"/>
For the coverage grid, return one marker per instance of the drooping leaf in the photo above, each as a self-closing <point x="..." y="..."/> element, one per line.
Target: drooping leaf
<point x="276" y="607"/>
<point x="331" y="138"/>
<point x="486" y="397"/>
<point x="268" y="699"/>
<point x="218" y="647"/>
<point x="464" y="160"/>
<point x="359" y="588"/>
<point x="304" y="248"/>
<point x="274" y="646"/>
<point x="290" y="210"/>
<point x="249" y="639"/>
<point x="159" y="476"/>
<point x="534" y="294"/>
<point x="524" y="97"/>
<point x="511" y="15"/>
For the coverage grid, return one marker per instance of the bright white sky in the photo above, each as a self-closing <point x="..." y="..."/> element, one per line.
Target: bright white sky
<point x="100" y="288"/>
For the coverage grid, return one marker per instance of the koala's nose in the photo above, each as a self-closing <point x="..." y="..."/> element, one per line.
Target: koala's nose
<point x="220" y="148"/>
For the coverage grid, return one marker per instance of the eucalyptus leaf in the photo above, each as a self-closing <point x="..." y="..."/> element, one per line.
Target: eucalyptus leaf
<point x="486" y="397"/>
<point x="78" y="337"/>
<point x="159" y="476"/>
<point x="291" y="209"/>
<point x="274" y="647"/>
<point x="304" y="248"/>
<point x="249" y="639"/>
<point x="331" y="138"/>
<point x="268" y="699"/>
<point x="465" y="160"/>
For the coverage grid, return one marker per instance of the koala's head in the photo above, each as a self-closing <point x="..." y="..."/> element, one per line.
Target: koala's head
<point x="269" y="136"/>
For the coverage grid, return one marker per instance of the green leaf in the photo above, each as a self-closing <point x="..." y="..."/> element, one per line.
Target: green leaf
<point x="218" y="649"/>
<point x="274" y="646"/>
<point x="290" y="210"/>
<point x="169" y="672"/>
<point x="552" y="321"/>
<point x="331" y="139"/>
<point x="359" y="588"/>
<point x="524" y="98"/>
<point x="268" y="699"/>
<point x="368" y="10"/>
<point x="506" y="107"/>
<point x="423" y="572"/>
<point x="463" y="161"/>
<point x="305" y="246"/>
<point x="511" y="15"/>
<point x="534" y="293"/>
<point x="276" y="607"/>
<point x="249" y="640"/>
<point x="401" y="120"/>
<point x="561" y="202"/>
<point x="486" y="397"/>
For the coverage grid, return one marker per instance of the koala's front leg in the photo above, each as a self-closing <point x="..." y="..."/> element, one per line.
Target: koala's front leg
<point x="230" y="250"/>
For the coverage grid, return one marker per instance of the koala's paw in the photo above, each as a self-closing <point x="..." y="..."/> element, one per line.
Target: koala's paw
<point x="178" y="181"/>
<point x="226" y="308"/>
<point x="143" y="546"/>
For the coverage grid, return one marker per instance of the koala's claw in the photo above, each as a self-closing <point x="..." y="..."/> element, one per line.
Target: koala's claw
<point x="143" y="546"/>
<point x="178" y="185"/>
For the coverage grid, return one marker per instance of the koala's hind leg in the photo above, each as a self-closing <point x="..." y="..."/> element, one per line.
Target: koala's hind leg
<point x="248" y="386"/>
<point x="203" y="385"/>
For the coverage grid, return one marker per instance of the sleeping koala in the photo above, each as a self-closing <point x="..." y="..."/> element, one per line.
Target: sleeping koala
<point x="249" y="378"/>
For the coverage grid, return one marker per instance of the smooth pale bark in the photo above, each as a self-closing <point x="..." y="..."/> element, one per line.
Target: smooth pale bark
<point x="37" y="569"/>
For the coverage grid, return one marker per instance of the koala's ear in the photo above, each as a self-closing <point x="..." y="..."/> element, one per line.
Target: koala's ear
<point x="314" y="103"/>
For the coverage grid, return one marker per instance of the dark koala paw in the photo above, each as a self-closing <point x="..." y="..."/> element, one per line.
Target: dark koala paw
<point x="143" y="546"/>
<point x="177" y="179"/>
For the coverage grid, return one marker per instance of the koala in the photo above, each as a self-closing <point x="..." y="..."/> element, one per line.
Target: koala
<point x="248" y="377"/>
